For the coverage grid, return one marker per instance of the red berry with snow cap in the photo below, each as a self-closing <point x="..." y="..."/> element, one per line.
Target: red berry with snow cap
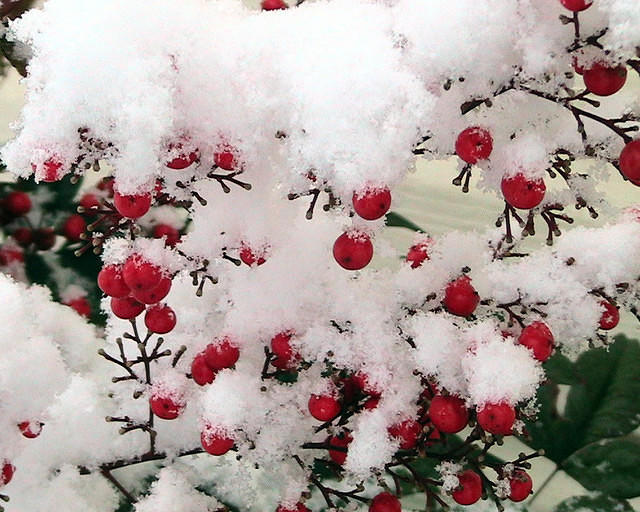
<point x="460" y="297"/>
<point x="132" y="206"/>
<point x="474" y="144"/>
<point x="610" y="316"/>
<point x="169" y="233"/>
<point x="155" y="294"/>
<point x="222" y="354"/>
<point x="520" y="484"/>
<point x="417" y="254"/>
<point x="408" y="431"/>
<point x="469" y="489"/>
<point x="166" y="406"/>
<point x="604" y="79"/>
<point x="324" y="407"/>
<point x="225" y="158"/>
<point x="522" y="192"/>
<point x="140" y="274"/>
<point x="181" y="156"/>
<point x="200" y="370"/>
<point x="160" y="319"/>
<point x="6" y="472"/>
<point x="30" y="429"/>
<point x="385" y="502"/>
<point x="497" y="418"/>
<point x="49" y="171"/>
<point x="372" y="203"/>
<point x="341" y="441"/>
<point x="353" y="250"/>
<point x="215" y="442"/>
<point x="448" y="414"/>
<point x="538" y="338"/>
<point x="111" y="282"/>
<point x="251" y="257"/>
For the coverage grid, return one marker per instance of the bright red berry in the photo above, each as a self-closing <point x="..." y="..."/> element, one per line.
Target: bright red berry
<point x="164" y="230"/>
<point x="74" y="227"/>
<point x="30" y="429"/>
<point x="89" y="202"/>
<point x="372" y="203"/>
<point x="132" y="206"/>
<point x="155" y="294"/>
<point x="299" y="507"/>
<point x="44" y="238"/>
<point x="6" y="472"/>
<point x="126" y="308"/>
<point x="521" y="485"/>
<point x="474" y="144"/>
<point x="17" y="203"/>
<point x="324" y="407"/>
<point x="497" y="418"/>
<point x="603" y="80"/>
<point x="417" y="254"/>
<point x="165" y="406"/>
<point x="538" y="338"/>
<point x="222" y="353"/>
<point x="448" y="414"/>
<point x="111" y="282"/>
<point x="340" y="441"/>
<point x="200" y="370"/>
<point x="576" y="5"/>
<point x="470" y="488"/>
<point x="630" y="161"/>
<point x="385" y="502"/>
<point x="252" y="257"/>
<point x="610" y="316"/>
<point x="408" y="431"/>
<point x="24" y="236"/>
<point x="353" y="250"/>
<point x="521" y="192"/>
<point x="81" y="305"/>
<point x="225" y="158"/>
<point x="273" y="5"/>
<point x="372" y="403"/>
<point x="215" y="442"/>
<point x="160" y="319"/>
<point x="140" y="274"/>
<point x="460" y="297"/>
<point x="182" y="159"/>
<point x="286" y="357"/>
<point x="361" y="379"/>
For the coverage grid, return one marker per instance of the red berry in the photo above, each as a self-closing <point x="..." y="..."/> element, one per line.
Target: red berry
<point x="50" y="170"/>
<point x="273" y="5"/>
<point x="576" y="5"/>
<point x="160" y="319"/>
<point x="81" y="305"/>
<point x="140" y="274"/>
<point x="298" y="508"/>
<point x="361" y="379"/>
<point x="460" y="297"/>
<point x="73" y="227"/>
<point x="537" y="337"/>
<point x="90" y="202"/>
<point x="214" y="442"/>
<point x="385" y="502"/>
<point x="10" y="254"/>
<point x="6" y="474"/>
<point x="630" y="161"/>
<point x="604" y="80"/>
<point x="521" y="484"/>
<point x="372" y="403"/>
<point x="166" y="407"/>
<point x="521" y="192"/>
<point x="250" y="257"/>
<point x="30" y="429"/>
<point x="44" y="238"/>
<point x="111" y="282"/>
<point x="324" y="407"/>
<point x="408" y="431"/>
<point x="132" y="206"/>
<point x="577" y="67"/>
<point x="24" y="236"/>
<point x="610" y="316"/>
<point x="221" y="354"/>
<point x="107" y="184"/>
<point x="353" y="250"/>
<point x="470" y="488"/>
<point x="182" y="160"/>
<point x="448" y="413"/>
<point x="126" y="308"/>
<point x="200" y="370"/>
<point x="372" y="203"/>
<point x="164" y="230"/>
<point x="474" y="144"/>
<point x="497" y="418"/>
<point x="341" y="441"/>
<point x="17" y="203"/>
<point x="287" y="358"/>
<point x="155" y="294"/>
<point x="417" y="254"/>
<point x="225" y="158"/>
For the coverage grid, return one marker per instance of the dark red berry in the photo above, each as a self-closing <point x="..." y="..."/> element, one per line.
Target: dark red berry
<point x="222" y="353"/>
<point x="474" y="144"/>
<point x="30" y="429"/>
<point x="215" y="442"/>
<point x="418" y="254"/>
<point x="81" y="305"/>
<point x="132" y="206"/>
<point x="372" y="403"/>
<point x="111" y="282"/>
<point x="448" y="414"/>
<point x="89" y="202"/>
<point x="252" y="257"/>
<point x="610" y="316"/>
<point x="538" y="338"/>
<point x="604" y="80"/>
<point x="273" y="5"/>
<point x="324" y="407"/>
<point x="341" y="441"/>
<point x="225" y="158"/>
<point x="24" y="236"/>
<point x="385" y="502"/>
<point x="497" y="418"/>
<point x="160" y="319"/>
<point x="164" y="230"/>
<point x="6" y="473"/>
<point x="630" y="161"/>
<point x="10" y="254"/>
<point x="408" y="431"/>
<point x="521" y="192"/>
<point x="372" y="203"/>
<point x="140" y="274"/>
<point x="165" y="406"/>
<point x="44" y="238"/>
<point x="460" y="297"/>
<point x="74" y="227"/>
<point x="155" y="294"/>
<point x="17" y="203"/>
<point x="576" y="5"/>
<point x="182" y="159"/>
<point x="200" y="370"/>
<point x="353" y="250"/>
<point x="470" y="488"/>
<point x="521" y="485"/>
<point x="126" y="308"/>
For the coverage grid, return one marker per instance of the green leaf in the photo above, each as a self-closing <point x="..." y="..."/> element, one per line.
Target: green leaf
<point x="611" y="466"/>
<point x="561" y="370"/>
<point x="39" y="272"/>
<point x="593" y="503"/>
<point x="396" y="220"/>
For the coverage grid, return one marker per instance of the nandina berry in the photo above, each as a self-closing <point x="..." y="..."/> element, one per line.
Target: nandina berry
<point x="164" y="230"/>
<point x="126" y="308"/>
<point x="10" y="254"/>
<point x="469" y="489"/>
<point x="30" y="429"/>
<point x="497" y="418"/>
<point x="89" y="202"/>
<point x="155" y="294"/>
<point x="576" y="5"/>
<point x="6" y="472"/>
<point x="371" y="403"/>
<point x="140" y="274"/>
<point x="132" y="206"/>
<point x="324" y="407"/>
<point x="44" y="238"/>
<point x="183" y="159"/>
<point x="17" y="203"/>
<point x="111" y="282"/>
<point x="603" y="80"/>
<point x="165" y="406"/>
<point x="251" y="257"/>
<point x="160" y="319"/>
<point x="630" y="161"/>
<point x="448" y="413"/>
<point x="50" y="170"/>
<point x="372" y="203"/>
<point x="521" y="192"/>
<point x="460" y="297"/>
<point x="610" y="316"/>
<point x="385" y="502"/>
<point x="24" y="236"/>
<point x="74" y="227"/>
<point x="200" y="370"/>
<point x="417" y="254"/>
<point x="222" y="353"/>
<point x="273" y="5"/>
<point x="81" y="305"/>
<point x="107" y="184"/>
<point x="538" y="338"/>
<point x="215" y="442"/>
<point x="299" y="507"/>
<point x="474" y="144"/>
<point x="433" y="437"/>
<point x="225" y="158"/>
<point x="521" y="485"/>
<point x="340" y="441"/>
<point x="361" y="379"/>
<point x="408" y="431"/>
<point x="286" y="356"/>
<point x="353" y="250"/>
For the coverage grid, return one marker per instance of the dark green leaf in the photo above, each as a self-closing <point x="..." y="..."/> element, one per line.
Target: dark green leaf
<point x="39" y="272"/>
<point x="593" y="503"/>
<point x="396" y="220"/>
<point x="561" y="370"/>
